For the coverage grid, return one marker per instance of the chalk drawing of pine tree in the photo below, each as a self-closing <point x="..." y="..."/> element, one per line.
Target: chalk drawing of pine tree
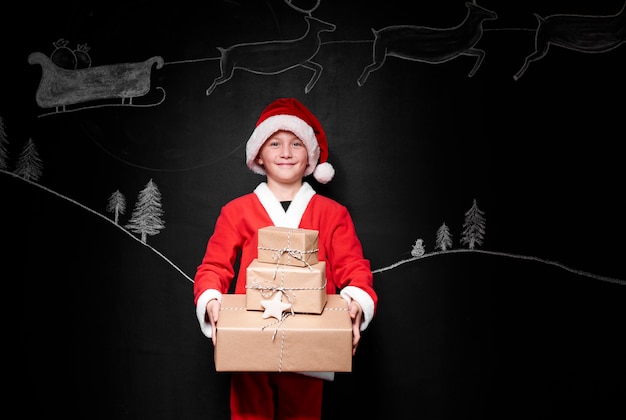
<point x="146" y="218"/>
<point x="29" y="164"/>
<point x="117" y="205"/>
<point x="443" y="240"/>
<point x="473" y="227"/>
<point x="3" y="147"/>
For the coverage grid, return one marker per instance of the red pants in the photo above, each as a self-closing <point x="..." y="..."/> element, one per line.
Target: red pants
<point x="275" y="396"/>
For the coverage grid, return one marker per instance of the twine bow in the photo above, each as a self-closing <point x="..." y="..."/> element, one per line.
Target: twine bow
<point x="268" y="290"/>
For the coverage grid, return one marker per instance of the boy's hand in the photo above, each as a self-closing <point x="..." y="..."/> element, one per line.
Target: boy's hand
<point x="213" y="311"/>
<point x="356" y="313"/>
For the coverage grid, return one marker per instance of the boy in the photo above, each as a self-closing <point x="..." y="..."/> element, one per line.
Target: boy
<point x="287" y="145"/>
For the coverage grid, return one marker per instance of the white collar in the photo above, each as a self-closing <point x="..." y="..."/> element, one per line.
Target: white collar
<point x="292" y="217"/>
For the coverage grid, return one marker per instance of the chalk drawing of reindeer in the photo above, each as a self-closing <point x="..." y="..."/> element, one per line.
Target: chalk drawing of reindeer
<point x="273" y="57"/>
<point x="430" y="45"/>
<point x="587" y="34"/>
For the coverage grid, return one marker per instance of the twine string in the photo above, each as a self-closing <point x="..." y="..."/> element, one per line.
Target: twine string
<point x="280" y="323"/>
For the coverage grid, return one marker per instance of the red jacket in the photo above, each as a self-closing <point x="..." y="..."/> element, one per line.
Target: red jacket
<point x="236" y="231"/>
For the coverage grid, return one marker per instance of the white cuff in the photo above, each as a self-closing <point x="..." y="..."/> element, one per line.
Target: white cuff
<point x="363" y="299"/>
<point x="205" y="297"/>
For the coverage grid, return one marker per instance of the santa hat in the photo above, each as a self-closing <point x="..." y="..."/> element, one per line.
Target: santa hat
<point x="291" y="115"/>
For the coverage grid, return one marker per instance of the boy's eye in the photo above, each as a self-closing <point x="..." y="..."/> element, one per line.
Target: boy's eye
<point x="297" y="143"/>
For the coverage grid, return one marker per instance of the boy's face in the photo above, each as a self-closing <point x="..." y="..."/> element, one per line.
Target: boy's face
<point x="284" y="157"/>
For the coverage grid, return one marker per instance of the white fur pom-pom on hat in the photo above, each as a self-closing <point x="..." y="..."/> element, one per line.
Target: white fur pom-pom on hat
<point x="324" y="172"/>
<point x="291" y="115"/>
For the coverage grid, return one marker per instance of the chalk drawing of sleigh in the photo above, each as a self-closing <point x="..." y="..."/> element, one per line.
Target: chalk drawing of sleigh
<point x="91" y="87"/>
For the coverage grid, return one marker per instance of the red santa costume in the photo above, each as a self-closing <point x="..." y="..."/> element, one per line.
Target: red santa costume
<point x="236" y="232"/>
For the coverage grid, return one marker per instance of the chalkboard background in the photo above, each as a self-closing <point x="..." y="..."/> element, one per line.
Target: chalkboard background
<point x="527" y="323"/>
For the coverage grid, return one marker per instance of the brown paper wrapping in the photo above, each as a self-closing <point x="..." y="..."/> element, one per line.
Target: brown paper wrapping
<point x="303" y="287"/>
<point x="281" y="245"/>
<point x="245" y="342"/>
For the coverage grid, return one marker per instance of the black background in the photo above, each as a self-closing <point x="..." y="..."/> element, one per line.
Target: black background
<point x="532" y="327"/>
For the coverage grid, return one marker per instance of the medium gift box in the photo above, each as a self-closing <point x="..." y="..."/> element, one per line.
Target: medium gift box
<point x="303" y="287"/>
<point x="281" y="245"/>
<point x="247" y="342"/>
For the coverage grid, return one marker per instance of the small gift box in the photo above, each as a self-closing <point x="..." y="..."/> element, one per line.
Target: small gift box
<point x="247" y="342"/>
<point x="281" y="245"/>
<point x="303" y="287"/>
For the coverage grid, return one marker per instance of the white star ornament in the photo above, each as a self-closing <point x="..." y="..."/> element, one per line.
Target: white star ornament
<point x="274" y="307"/>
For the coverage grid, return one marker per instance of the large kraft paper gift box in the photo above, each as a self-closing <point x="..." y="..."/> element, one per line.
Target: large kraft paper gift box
<point x="247" y="342"/>
<point x="281" y="245"/>
<point x="303" y="287"/>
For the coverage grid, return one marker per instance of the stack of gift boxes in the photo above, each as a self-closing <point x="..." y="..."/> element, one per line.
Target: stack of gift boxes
<point x="286" y="321"/>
